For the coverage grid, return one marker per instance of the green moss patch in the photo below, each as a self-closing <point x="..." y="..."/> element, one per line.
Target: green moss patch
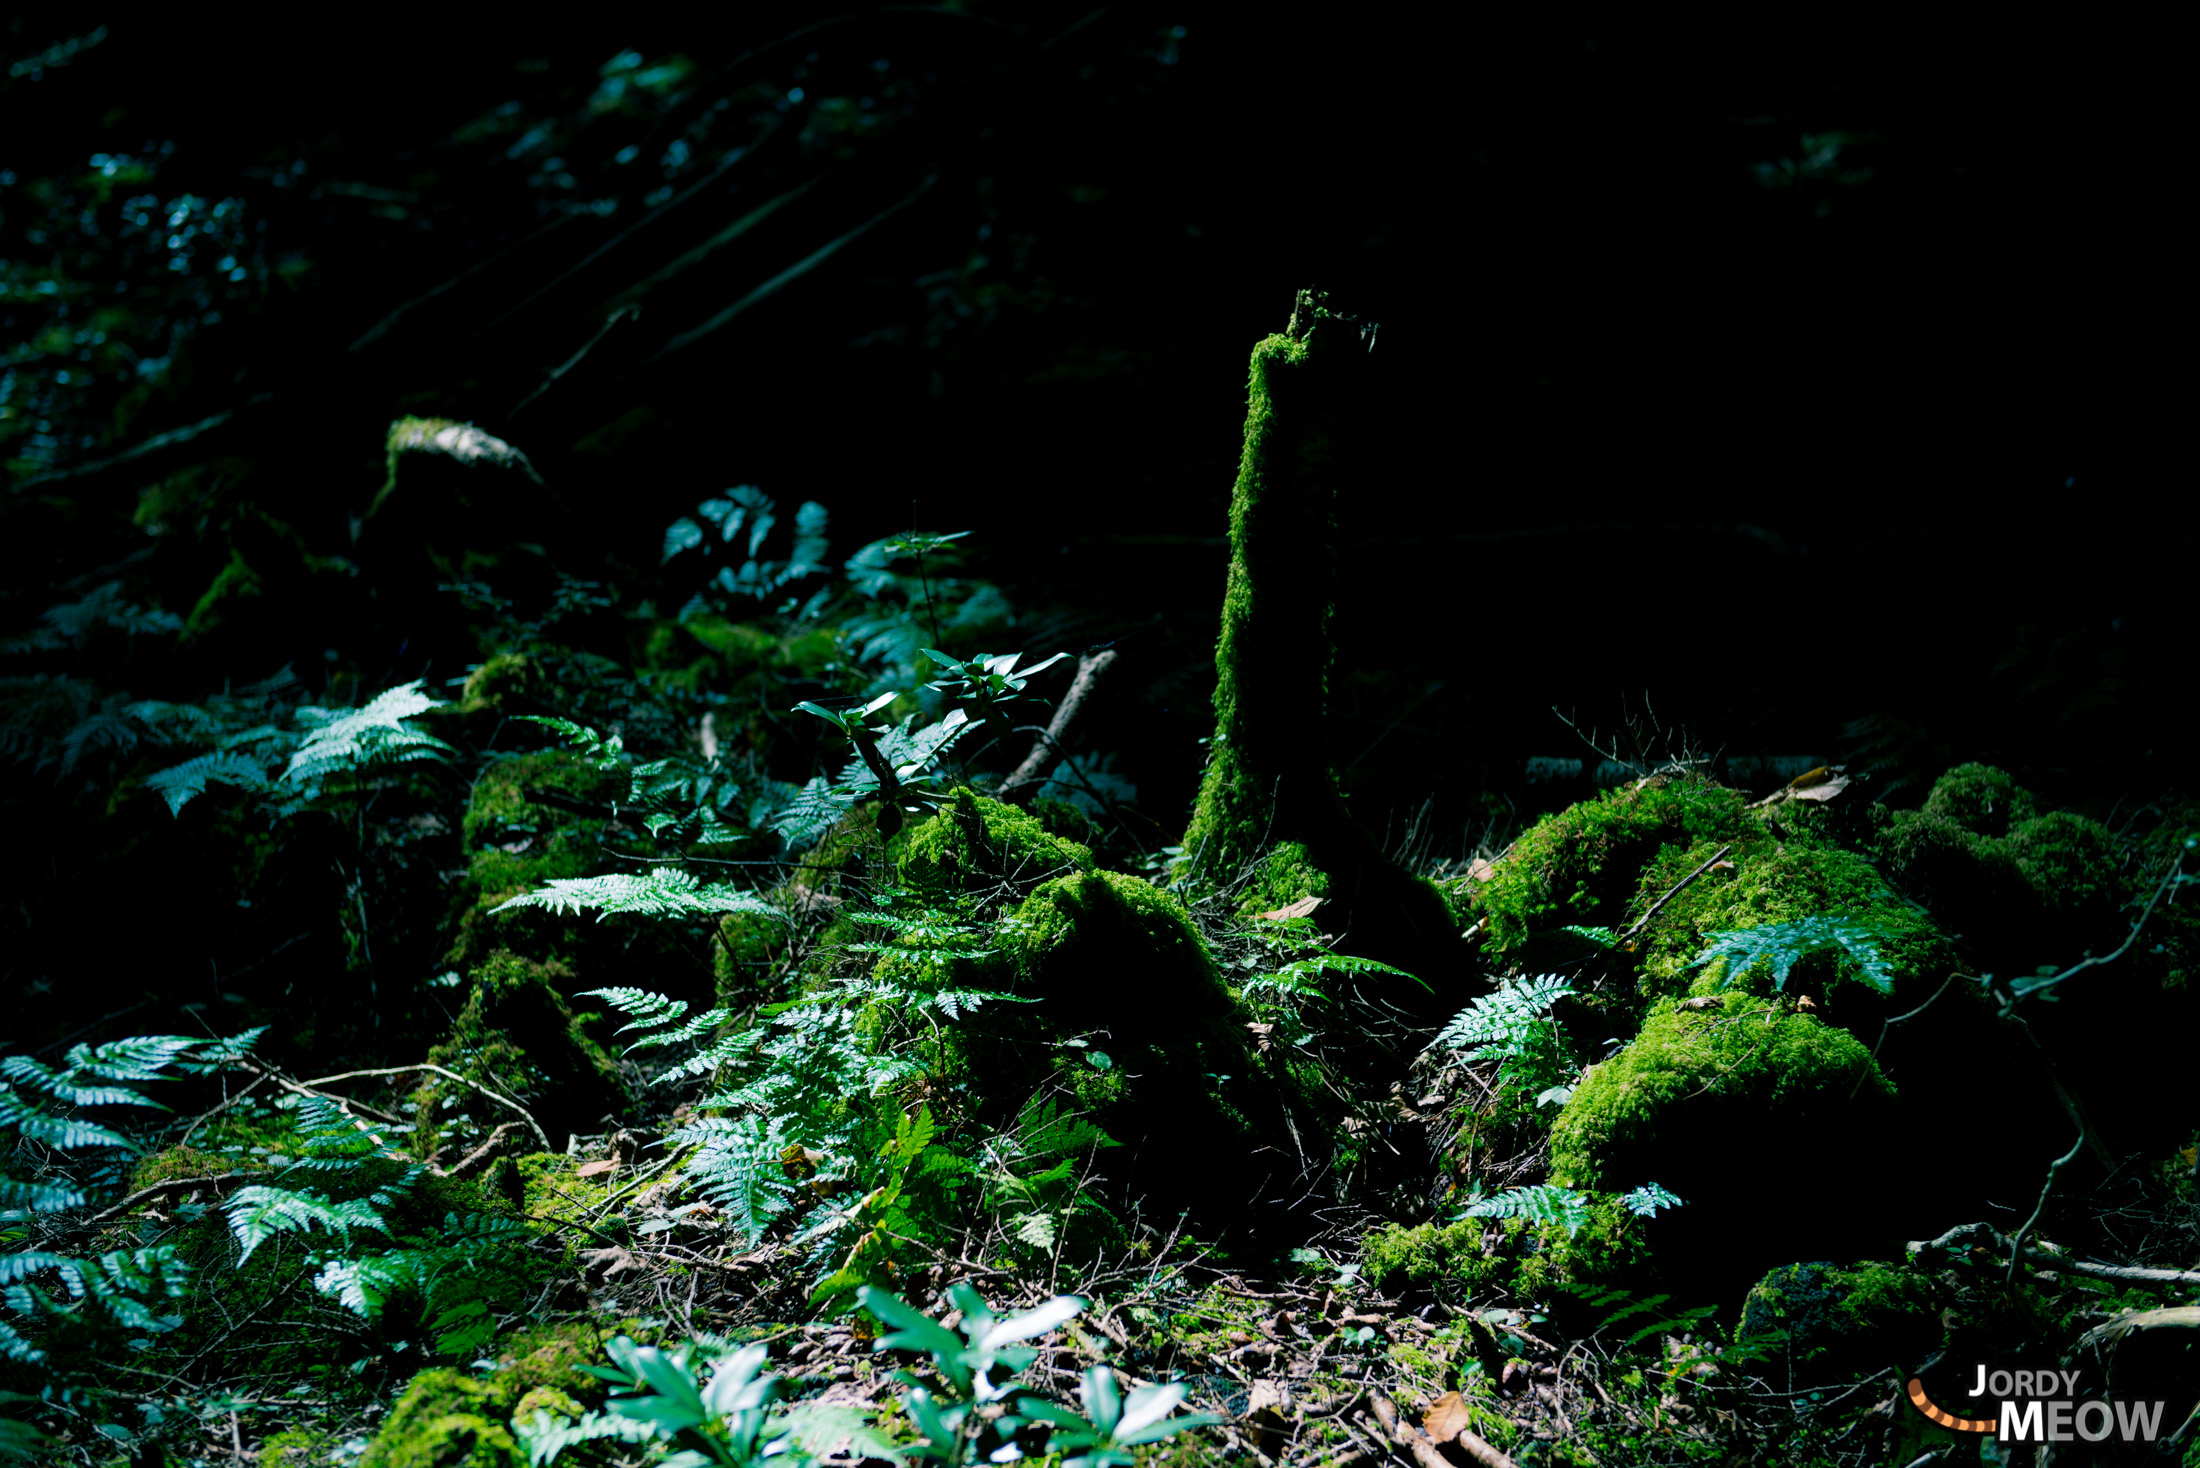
<point x="518" y="1036"/>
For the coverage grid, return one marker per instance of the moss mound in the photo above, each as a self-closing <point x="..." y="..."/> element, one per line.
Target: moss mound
<point x="1698" y="1102"/>
<point x="519" y="1037"/>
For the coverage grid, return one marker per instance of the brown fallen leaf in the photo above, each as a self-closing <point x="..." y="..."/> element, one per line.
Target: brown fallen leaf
<point x="597" y="1169"/>
<point x="1266" y="1414"/>
<point x="1823" y="783"/>
<point x="1298" y="909"/>
<point x="1482" y="871"/>
<point x="1447" y="1417"/>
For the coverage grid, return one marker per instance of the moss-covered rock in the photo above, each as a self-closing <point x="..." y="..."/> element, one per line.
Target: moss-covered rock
<point x="532" y="819"/>
<point x="1132" y="1023"/>
<point x="1115" y="962"/>
<point x="506" y="678"/>
<point x="1835" y="1324"/>
<point x="1764" y="882"/>
<point x="444" y="1414"/>
<point x="975" y="840"/>
<point x="446" y="1418"/>
<point x="518" y="1036"/>
<point x="1703" y="1101"/>
<point x="1583" y="866"/>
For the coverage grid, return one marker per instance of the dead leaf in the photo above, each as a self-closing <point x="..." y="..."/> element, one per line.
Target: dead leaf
<point x="1803" y="1002"/>
<point x="1482" y="871"/>
<point x="1823" y="783"/>
<point x="1298" y="909"/>
<point x="1701" y="1001"/>
<point x="614" y="1260"/>
<point x="1446" y="1418"/>
<point x="597" y="1169"/>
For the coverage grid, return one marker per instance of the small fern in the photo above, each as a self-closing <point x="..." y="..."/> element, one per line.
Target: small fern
<point x="662" y="892"/>
<point x="374" y="734"/>
<point x="1514" y="1026"/>
<point x="1782" y="944"/>
<point x="1542" y="1203"/>
<point x="39" y="1104"/>
<point x="362" y="1254"/>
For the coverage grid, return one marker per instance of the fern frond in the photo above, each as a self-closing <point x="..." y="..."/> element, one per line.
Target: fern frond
<point x="19" y="1196"/>
<point x="1781" y="944"/>
<point x="1543" y="1203"/>
<point x="258" y="1213"/>
<point x="374" y="734"/>
<point x="180" y="784"/>
<point x="545" y="1435"/>
<point x="810" y="812"/>
<point x="660" y="892"/>
<point x="139" y="1058"/>
<point x="1645" y="1201"/>
<point x="737" y="1166"/>
<point x="1505" y="1022"/>
<point x="64" y="1133"/>
<point x="604" y="752"/>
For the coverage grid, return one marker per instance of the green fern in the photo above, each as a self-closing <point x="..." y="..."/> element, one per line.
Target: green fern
<point x="1514" y="1026"/>
<point x="663" y="892"/>
<point x="39" y="1105"/>
<point x="1034" y="1180"/>
<point x="1542" y="1203"/>
<point x="371" y="735"/>
<point x="360" y="1251"/>
<point x="1782" y="944"/>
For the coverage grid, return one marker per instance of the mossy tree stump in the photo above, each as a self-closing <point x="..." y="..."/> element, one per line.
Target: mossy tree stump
<point x="1271" y="806"/>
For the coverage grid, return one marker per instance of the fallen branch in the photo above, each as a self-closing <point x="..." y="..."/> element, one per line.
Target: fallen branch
<point x="480" y="1154"/>
<point x="1046" y="749"/>
<point x="305" y="1088"/>
<point x="1416" y="1442"/>
<point x="1986" y="1233"/>
<point x="173" y="1185"/>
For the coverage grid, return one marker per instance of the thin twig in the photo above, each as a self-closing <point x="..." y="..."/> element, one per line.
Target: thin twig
<point x="1090" y="669"/>
<point x="1673" y="891"/>
<point x="395" y="1070"/>
<point x="173" y="1185"/>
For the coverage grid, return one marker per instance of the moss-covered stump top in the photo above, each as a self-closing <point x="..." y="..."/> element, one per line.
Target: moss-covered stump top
<point x="1133" y="1025"/>
<point x="518" y="1036"/>
<point x="975" y="843"/>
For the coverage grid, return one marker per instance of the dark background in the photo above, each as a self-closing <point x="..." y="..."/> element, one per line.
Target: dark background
<point x="1803" y="386"/>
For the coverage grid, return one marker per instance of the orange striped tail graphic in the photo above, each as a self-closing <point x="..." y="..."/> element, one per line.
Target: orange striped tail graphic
<point x="1919" y="1400"/>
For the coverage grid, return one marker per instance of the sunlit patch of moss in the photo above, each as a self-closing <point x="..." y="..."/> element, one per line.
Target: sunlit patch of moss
<point x="445" y="1417"/>
<point x="1581" y="866"/>
<point x="174" y="1163"/>
<point x="976" y="842"/>
<point x="1768" y="883"/>
<point x="1447" y="1258"/>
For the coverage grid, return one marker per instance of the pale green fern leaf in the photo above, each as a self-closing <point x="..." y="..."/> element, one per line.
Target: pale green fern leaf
<point x="1543" y="1203"/>
<point x="1781" y="944"/>
<point x="659" y="892"/>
